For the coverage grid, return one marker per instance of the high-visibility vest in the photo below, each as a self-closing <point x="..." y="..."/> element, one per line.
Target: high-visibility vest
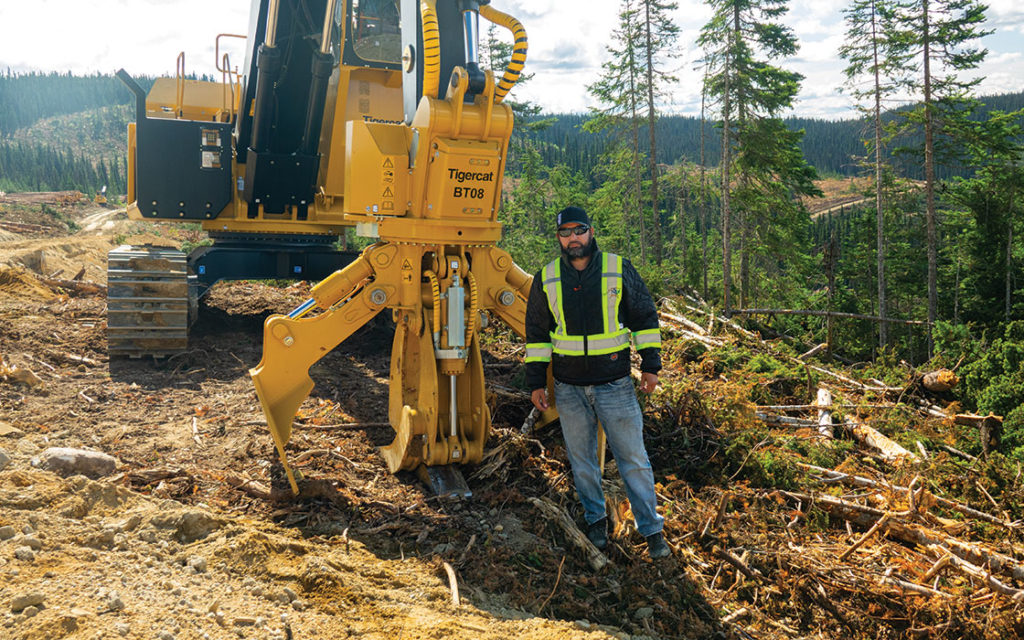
<point x="614" y="337"/>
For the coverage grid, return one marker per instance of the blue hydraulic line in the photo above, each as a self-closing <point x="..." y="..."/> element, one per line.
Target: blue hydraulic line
<point x="302" y="309"/>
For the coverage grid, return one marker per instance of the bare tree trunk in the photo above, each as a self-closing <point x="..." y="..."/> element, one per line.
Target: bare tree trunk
<point x="1009" y="258"/>
<point x="638" y="205"/>
<point x="703" y="193"/>
<point x="956" y="289"/>
<point x="726" y="186"/>
<point x="744" y="223"/>
<point x="656" y="219"/>
<point x="929" y="181"/>
<point x="883" y="326"/>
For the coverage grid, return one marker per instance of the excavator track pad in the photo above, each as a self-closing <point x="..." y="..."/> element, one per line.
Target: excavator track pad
<point x="148" y="301"/>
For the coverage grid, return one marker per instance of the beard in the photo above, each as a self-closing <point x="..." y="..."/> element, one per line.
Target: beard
<point x="580" y="251"/>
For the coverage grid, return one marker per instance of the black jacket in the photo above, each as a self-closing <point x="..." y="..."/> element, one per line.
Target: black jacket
<point x="582" y="304"/>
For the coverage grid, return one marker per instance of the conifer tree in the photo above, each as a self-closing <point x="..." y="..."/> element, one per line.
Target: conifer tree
<point x="875" y="56"/>
<point x="740" y="41"/>
<point x="618" y="90"/>
<point x="660" y="36"/>
<point x="942" y="34"/>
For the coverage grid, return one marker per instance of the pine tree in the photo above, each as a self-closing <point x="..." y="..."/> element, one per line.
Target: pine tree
<point x="750" y="93"/>
<point x="619" y="90"/>
<point x="660" y="36"/>
<point x="873" y="50"/>
<point x="942" y="33"/>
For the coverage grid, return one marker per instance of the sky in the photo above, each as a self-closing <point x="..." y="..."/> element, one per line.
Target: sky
<point x="567" y="45"/>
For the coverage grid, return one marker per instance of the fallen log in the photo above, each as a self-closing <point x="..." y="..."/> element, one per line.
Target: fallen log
<point x="769" y="418"/>
<point x="686" y="322"/>
<point x="892" y="452"/>
<point x="913" y="534"/>
<point x="940" y="380"/>
<point x="860" y="481"/>
<point x="735" y="561"/>
<point x="83" y="287"/>
<point x="559" y="517"/>
<point x="990" y="429"/>
<point x="977" y="572"/>
<point x="824" y="416"/>
<point x="813" y="351"/>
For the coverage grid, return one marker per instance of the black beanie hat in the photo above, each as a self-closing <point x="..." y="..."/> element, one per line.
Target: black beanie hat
<point x="572" y="214"/>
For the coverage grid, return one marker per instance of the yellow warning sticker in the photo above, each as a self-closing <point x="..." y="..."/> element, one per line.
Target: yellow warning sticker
<point x="407" y="264"/>
<point x="388" y="164"/>
<point x="388" y="193"/>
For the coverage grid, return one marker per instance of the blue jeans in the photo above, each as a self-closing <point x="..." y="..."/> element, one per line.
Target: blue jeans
<point x="615" y="405"/>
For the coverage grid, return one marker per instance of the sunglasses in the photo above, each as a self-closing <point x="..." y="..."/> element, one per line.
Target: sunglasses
<point x="580" y="230"/>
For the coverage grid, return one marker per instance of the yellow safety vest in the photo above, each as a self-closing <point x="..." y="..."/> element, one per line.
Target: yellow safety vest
<point x="614" y="336"/>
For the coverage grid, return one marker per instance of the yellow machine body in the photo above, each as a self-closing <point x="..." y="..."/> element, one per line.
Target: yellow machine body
<point x="429" y="193"/>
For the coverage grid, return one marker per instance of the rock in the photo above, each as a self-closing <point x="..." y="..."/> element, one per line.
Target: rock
<point x="197" y="563"/>
<point x="244" y="621"/>
<point x="29" y="541"/>
<point x="214" y="606"/>
<point x="122" y="628"/>
<point x="25" y="553"/>
<point x="29" y="611"/>
<point x="33" y="599"/>
<point x="165" y="635"/>
<point x="7" y="430"/>
<point x="72" y="462"/>
<point x="291" y="595"/>
<point x="4" y="460"/>
<point x="299" y="605"/>
<point x="583" y="624"/>
<point x="128" y="525"/>
<point x="101" y="540"/>
<point x="7" y="532"/>
<point x="643" y="612"/>
<point x="190" y="525"/>
<point x="114" y="602"/>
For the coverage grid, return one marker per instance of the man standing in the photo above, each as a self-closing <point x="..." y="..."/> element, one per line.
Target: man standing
<point x="583" y="307"/>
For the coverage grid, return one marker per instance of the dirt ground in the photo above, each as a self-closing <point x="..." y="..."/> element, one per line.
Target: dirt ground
<point x="361" y="555"/>
<point x="196" y="536"/>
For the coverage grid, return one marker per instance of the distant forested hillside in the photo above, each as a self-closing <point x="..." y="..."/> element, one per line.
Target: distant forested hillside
<point x="74" y="122"/>
<point x="28" y="98"/>
<point x="60" y="131"/>
<point x="831" y="146"/>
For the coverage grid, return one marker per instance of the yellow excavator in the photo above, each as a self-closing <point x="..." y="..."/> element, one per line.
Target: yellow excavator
<point x="372" y="114"/>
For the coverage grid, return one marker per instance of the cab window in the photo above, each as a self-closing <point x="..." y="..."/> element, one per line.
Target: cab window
<point x="375" y="33"/>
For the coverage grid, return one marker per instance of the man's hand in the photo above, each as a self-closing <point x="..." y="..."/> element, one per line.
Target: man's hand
<point x="648" y="382"/>
<point x="539" y="397"/>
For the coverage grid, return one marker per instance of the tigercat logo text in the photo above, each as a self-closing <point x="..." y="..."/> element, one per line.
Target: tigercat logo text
<point x="459" y="175"/>
<point x="381" y="120"/>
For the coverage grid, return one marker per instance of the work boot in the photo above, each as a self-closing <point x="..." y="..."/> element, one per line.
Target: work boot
<point x="597" y="533"/>
<point x="657" y="547"/>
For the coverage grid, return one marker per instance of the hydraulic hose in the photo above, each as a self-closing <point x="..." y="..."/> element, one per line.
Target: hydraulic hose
<point x="431" y="48"/>
<point x="515" y="65"/>
<point x="435" y="292"/>
<point x="474" y="317"/>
